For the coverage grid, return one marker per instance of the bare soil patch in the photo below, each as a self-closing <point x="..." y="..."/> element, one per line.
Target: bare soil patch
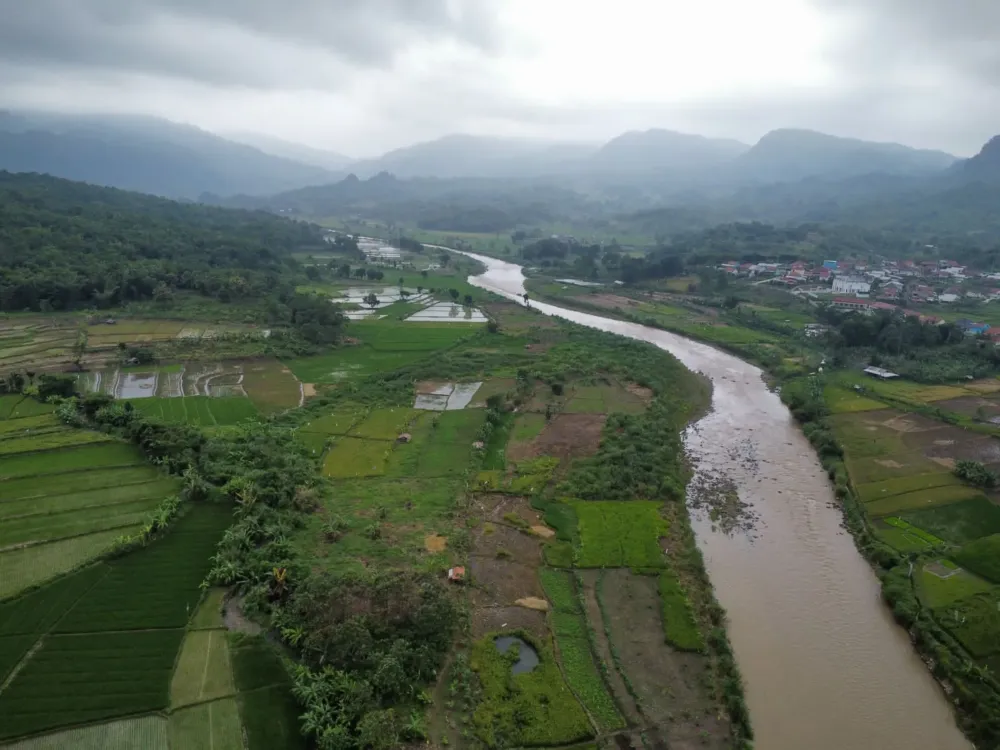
<point x="533" y="602"/>
<point x="568" y="436"/>
<point x="987" y="385"/>
<point x="983" y="449"/>
<point x="646" y="394"/>
<point x="486" y="620"/>
<point x="971" y="406"/>
<point x="500" y="542"/>
<point x="672" y="686"/>
<point x="235" y="620"/>
<point x="430" y="386"/>
<point x="543" y="531"/>
<point x="435" y="543"/>
<point x="494" y="507"/>
<point x="911" y="423"/>
<point x="888" y="463"/>
<point x="948" y="463"/>
<point x="308" y="390"/>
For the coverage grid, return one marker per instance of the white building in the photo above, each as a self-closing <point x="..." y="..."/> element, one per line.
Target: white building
<point x="850" y="285"/>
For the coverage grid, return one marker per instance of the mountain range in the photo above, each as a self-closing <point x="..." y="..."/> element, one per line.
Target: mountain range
<point x="482" y="183"/>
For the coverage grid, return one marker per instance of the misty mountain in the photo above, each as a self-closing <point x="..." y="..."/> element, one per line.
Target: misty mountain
<point x="660" y="150"/>
<point x="790" y="155"/>
<point x="983" y="167"/>
<point x="455" y="156"/>
<point x="145" y="154"/>
<point x="330" y="160"/>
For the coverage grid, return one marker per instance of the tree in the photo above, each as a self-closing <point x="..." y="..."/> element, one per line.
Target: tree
<point x="371" y="300"/>
<point x="401" y="280"/>
<point x="445" y="258"/>
<point x="454" y="294"/>
<point x="80" y="348"/>
<point x="525" y="296"/>
<point x="372" y="274"/>
<point x="163" y="293"/>
<point x="313" y="273"/>
<point x="420" y="290"/>
<point x="424" y="273"/>
<point x="359" y="273"/>
<point x="468" y="300"/>
<point x="344" y="270"/>
<point x="403" y="294"/>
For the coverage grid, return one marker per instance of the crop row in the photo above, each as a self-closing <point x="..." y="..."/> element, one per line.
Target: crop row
<point x="679" y="624"/>
<point x="203" y="411"/>
<point x="74" y="679"/>
<point x="100" y="455"/>
<point x="51" y="440"/>
<point x="84" y="480"/>
<point x="61" y="504"/>
<point x="157" y="586"/>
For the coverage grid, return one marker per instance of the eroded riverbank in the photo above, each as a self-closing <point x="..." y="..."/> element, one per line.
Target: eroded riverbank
<point x="825" y="665"/>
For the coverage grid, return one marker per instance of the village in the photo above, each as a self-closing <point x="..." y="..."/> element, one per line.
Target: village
<point x="908" y="286"/>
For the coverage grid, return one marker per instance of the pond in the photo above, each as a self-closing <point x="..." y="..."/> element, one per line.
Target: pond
<point x="527" y="656"/>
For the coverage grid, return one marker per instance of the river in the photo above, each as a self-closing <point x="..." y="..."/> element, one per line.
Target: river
<point x="825" y="666"/>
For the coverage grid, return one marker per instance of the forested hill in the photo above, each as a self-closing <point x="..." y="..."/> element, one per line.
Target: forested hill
<point x="66" y="244"/>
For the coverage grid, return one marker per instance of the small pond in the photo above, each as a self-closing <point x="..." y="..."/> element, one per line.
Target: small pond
<point x="527" y="656"/>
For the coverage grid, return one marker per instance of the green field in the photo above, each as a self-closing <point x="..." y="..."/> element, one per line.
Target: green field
<point x="384" y="424"/>
<point x="620" y="534"/>
<point x="679" y="625"/>
<point x="982" y="557"/>
<point x="938" y="591"/>
<point x="202" y="411"/>
<point x="922" y="500"/>
<point x="110" y="633"/>
<point x="269" y="711"/>
<point x="958" y="523"/>
<point x="356" y="457"/>
<point x="384" y="345"/>
<point x="208" y="726"/>
<point x="146" y="732"/>
<point x="844" y="401"/>
<point x="975" y="622"/>
<point x="890" y="487"/>
<point x="203" y="671"/>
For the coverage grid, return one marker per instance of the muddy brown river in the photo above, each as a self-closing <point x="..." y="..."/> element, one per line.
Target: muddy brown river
<point x="825" y="666"/>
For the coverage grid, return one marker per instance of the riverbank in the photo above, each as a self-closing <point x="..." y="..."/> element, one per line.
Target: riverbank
<point x="799" y="597"/>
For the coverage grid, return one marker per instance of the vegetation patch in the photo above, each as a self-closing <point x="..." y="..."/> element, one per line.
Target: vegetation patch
<point x="23" y="568"/>
<point x="76" y="679"/>
<point x="573" y="643"/>
<point x="270" y="386"/>
<point x="146" y="732"/>
<point x="975" y="622"/>
<point x="844" y="401"/>
<point x="353" y="457"/>
<point x="69" y="459"/>
<point x="620" y="534"/>
<point x="533" y="708"/>
<point x="679" y="624"/>
<point x="902" y="485"/>
<point x="958" y="523"/>
<point x="384" y="424"/>
<point x="941" y="586"/>
<point x="982" y="557"/>
<point x="208" y="726"/>
<point x="203" y="672"/>
<point x="202" y="411"/>
<point x="920" y="500"/>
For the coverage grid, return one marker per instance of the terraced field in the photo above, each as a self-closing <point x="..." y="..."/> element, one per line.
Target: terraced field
<point x="65" y="494"/>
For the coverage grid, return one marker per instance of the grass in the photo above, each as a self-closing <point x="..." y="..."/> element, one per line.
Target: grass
<point x="603" y="399"/>
<point x="494" y="453"/>
<point x="844" y="401"/>
<point x="940" y="592"/>
<point x="70" y="482"/>
<point x="532" y="708"/>
<point x="21" y="569"/>
<point x="209" y="726"/>
<point x="55" y="506"/>
<point x="909" y="528"/>
<point x="901" y="485"/>
<point x="270" y="386"/>
<point x="577" y="659"/>
<point x="527" y="427"/>
<point x="338" y="422"/>
<point x="384" y="424"/>
<point x="209" y="613"/>
<point x="76" y="679"/>
<point x="269" y="711"/>
<point x="157" y="586"/>
<point x="353" y="457"/>
<point x="202" y="411"/>
<point x="679" y="624"/>
<point x="51" y="440"/>
<point x="448" y="447"/>
<point x="958" y="523"/>
<point x="982" y="557"/>
<point x="975" y="622"/>
<point x="620" y="534"/>
<point x="924" y="499"/>
<point x="203" y="671"/>
<point x="69" y="459"/>
<point x="146" y="732"/>
<point x="46" y="527"/>
<point x="902" y="540"/>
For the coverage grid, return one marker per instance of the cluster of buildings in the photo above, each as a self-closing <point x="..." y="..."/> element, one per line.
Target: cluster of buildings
<point x="892" y="282"/>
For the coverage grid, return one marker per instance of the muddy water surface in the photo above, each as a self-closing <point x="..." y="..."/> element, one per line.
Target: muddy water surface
<point x="825" y="666"/>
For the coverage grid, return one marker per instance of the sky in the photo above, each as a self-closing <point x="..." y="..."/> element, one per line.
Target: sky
<point x="365" y="76"/>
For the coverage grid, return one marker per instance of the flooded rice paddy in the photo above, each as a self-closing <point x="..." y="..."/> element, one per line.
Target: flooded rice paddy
<point x="432" y="311"/>
<point x="825" y="665"/>
<point x="204" y="379"/>
<point x="445" y="396"/>
<point x="527" y="657"/>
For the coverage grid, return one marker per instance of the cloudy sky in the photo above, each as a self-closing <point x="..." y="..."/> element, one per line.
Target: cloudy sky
<point x="364" y="76"/>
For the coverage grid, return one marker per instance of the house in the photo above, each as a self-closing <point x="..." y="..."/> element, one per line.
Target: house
<point x="852" y="304"/>
<point x="971" y="327"/>
<point x="830" y="265"/>
<point x="878" y="372"/>
<point x="947" y="298"/>
<point x="851" y="285"/>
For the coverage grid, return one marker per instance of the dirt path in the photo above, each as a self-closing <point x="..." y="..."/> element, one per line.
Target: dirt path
<point x="626" y="703"/>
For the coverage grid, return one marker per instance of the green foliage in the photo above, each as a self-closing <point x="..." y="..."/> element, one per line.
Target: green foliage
<point x="203" y="411"/>
<point x="982" y="557"/>
<point x="974" y="473"/>
<point x="66" y="244"/>
<point x="940" y="592"/>
<point x="975" y="621"/>
<point x="679" y="624"/>
<point x="620" y="534"/>
<point x="533" y="708"/>
<point x="560" y="590"/>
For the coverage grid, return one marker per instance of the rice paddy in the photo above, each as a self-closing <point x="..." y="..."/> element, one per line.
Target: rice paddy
<point x="620" y="534"/>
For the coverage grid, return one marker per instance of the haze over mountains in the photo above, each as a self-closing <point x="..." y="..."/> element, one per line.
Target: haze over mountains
<point x="484" y="183"/>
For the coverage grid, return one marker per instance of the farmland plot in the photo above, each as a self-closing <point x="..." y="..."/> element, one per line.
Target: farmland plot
<point x="208" y="726"/>
<point x="146" y="732"/>
<point x="620" y="534"/>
